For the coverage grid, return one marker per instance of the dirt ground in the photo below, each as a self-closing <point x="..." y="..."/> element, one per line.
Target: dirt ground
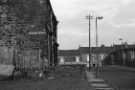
<point x="121" y="78"/>
<point x="64" y="78"/>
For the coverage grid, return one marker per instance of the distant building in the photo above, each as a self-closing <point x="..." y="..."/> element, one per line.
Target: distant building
<point x="122" y="55"/>
<point x="69" y="57"/>
<point x="98" y="54"/>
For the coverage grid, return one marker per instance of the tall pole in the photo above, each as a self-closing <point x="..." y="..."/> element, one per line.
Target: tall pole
<point x="97" y="57"/>
<point x="89" y="41"/>
<point x="89" y="17"/>
<point x="96" y="26"/>
<point x="96" y="32"/>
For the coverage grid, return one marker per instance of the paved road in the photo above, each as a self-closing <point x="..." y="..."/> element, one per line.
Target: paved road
<point x="120" y="77"/>
<point x="65" y="78"/>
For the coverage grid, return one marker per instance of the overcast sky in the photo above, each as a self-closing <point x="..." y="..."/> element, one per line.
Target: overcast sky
<point x="118" y="21"/>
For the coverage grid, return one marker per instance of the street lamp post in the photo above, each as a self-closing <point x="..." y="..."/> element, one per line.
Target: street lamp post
<point x="96" y="26"/>
<point x="122" y="46"/>
<point x="121" y="40"/>
<point x="97" y="18"/>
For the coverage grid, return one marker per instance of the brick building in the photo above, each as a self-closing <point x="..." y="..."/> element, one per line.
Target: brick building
<point x="30" y="28"/>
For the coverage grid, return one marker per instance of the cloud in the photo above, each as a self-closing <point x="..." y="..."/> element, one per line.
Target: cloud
<point x="73" y="27"/>
<point x="126" y="14"/>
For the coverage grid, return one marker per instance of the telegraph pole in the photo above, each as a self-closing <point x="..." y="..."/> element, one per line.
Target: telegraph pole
<point x="89" y="17"/>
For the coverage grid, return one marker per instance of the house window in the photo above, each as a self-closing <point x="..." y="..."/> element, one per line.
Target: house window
<point x="102" y="56"/>
<point x="77" y="59"/>
<point x="61" y="60"/>
<point x="132" y="55"/>
<point x="70" y="58"/>
<point x="87" y="57"/>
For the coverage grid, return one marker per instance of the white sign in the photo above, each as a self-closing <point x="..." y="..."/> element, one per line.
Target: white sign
<point x="35" y="33"/>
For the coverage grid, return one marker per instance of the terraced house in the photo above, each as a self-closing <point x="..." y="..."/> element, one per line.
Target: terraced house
<point x="122" y="55"/>
<point x="28" y="35"/>
<point x="81" y="55"/>
<point x="69" y="57"/>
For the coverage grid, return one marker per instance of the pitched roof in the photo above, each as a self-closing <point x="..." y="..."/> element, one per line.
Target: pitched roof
<point x="96" y="49"/>
<point x="68" y="52"/>
<point x="84" y="49"/>
<point x="102" y="49"/>
<point x="125" y="46"/>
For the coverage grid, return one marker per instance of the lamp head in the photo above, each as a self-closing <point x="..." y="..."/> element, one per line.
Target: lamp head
<point x="100" y="17"/>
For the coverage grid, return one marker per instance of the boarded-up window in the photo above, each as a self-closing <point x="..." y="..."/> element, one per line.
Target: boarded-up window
<point x="6" y="55"/>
